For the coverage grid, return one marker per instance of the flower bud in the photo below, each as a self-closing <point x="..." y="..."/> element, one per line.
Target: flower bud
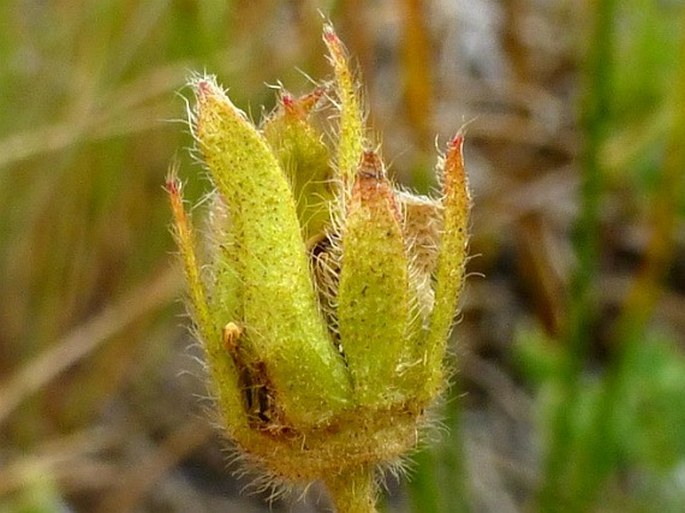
<point x="327" y="297"/>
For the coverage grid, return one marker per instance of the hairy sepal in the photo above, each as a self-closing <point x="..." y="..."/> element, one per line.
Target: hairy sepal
<point x="373" y="304"/>
<point x="452" y="254"/>
<point x="281" y="317"/>
<point x="305" y="159"/>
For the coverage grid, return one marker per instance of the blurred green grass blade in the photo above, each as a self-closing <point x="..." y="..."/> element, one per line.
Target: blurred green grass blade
<point x="582" y="457"/>
<point x="424" y="491"/>
<point x="557" y="492"/>
<point x="439" y="481"/>
<point x="650" y="412"/>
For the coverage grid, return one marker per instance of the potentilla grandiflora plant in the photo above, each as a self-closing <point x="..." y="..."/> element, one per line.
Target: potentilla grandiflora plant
<point x="325" y="297"/>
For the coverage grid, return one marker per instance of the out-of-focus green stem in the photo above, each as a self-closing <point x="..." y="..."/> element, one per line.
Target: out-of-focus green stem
<point x="557" y="493"/>
<point x="454" y="478"/>
<point x="665" y="203"/>
<point x="594" y="116"/>
<point x="424" y="488"/>
<point x="439" y="483"/>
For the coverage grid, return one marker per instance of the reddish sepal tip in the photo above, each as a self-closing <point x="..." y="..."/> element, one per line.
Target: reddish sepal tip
<point x="457" y="141"/>
<point x="288" y="100"/>
<point x="370" y="165"/>
<point x="204" y="87"/>
<point x="173" y="186"/>
<point x="330" y="35"/>
<point x="289" y="103"/>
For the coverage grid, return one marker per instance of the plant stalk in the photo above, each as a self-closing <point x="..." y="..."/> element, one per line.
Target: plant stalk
<point x="353" y="490"/>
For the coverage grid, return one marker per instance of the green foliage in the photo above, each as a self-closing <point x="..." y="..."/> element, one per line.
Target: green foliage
<point x="595" y="422"/>
<point x="644" y="71"/>
<point x="645" y="426"/>
<point x="650" y="414"/>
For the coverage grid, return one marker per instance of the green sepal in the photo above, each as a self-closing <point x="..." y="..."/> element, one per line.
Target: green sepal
<point x="305" y="159"/>
<point x="449" y="272"/>
<point x="225" y="379"/>
<point x="224" y="282"/>
<point x="281" y="322"/>
<point x="351" y="129"/>
<point x="421" y="224"/>
<point x="373" y="307"/>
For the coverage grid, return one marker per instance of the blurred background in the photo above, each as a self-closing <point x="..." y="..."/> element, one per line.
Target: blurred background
<point x="569" y="393"/>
